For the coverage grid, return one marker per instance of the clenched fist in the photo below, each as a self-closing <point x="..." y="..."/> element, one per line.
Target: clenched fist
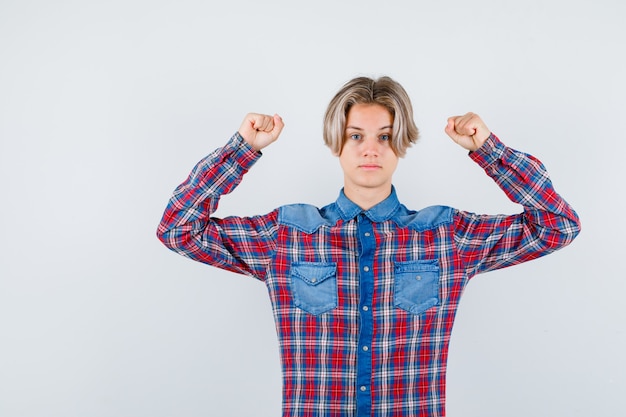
<point x="260" y="130"/>
<point x="469" y="131"/>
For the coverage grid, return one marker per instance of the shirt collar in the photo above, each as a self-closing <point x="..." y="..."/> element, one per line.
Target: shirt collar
<point x="379" y="213"/>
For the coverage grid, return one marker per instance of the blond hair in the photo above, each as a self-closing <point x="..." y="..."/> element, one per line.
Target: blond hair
<point x="363" y="90"/>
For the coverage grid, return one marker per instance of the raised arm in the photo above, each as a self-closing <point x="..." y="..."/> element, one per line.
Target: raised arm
<point x="547" y="223"/>
<point x="239" y="244"/>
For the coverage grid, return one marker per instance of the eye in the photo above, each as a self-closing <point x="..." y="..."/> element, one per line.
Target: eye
<point x="355" y="136"/>
<point x="385" y="137"/>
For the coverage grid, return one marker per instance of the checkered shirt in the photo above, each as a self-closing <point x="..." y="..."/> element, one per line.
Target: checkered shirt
<point x="364" y="301"/>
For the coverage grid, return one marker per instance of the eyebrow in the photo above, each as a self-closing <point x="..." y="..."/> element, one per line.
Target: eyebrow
<point x="359" y="128"/>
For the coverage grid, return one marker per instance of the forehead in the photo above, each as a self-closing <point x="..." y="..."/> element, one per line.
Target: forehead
<point x="368" y="116"/>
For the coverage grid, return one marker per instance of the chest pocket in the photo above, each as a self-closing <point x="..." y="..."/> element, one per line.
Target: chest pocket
<point x="314" y="286"/>
<point x="416" y="285"/>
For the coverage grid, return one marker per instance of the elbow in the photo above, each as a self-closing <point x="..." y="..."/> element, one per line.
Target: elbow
<point x="170" y="234"/>
<point x="556" y="230"/>
<point x="167" y="238"/>
<point x="161" y="235"/>
<point x="575" y="229"/>
<point x="572" y="228"/>
<point x="564" y="235"/>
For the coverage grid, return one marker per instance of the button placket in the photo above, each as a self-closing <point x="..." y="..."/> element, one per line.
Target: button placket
<point x="367" y="249"/>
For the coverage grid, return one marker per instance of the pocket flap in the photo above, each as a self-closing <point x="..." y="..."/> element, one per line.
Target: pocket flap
<point x="314" y="273"/>
<point x="417" y="266"/>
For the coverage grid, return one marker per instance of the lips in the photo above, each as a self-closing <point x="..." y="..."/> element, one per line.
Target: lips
<point x="370" y="166"/>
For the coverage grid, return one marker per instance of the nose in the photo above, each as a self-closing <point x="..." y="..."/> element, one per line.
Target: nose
<point x="371" y="146"/>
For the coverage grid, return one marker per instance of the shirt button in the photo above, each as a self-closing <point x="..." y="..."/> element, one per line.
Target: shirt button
<point x="363" y="388"/>
<point x="365" y="348"/>
<point x="367" y="234"/>
<point x="365" y="308"/>
<point x="419" y="277"/>
<point x="366" y="268"/>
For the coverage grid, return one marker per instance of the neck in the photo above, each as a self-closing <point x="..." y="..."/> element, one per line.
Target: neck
<point x="366" y="198"/>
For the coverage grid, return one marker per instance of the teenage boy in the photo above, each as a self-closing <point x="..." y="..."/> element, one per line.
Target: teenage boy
<point x="364" y="291"/>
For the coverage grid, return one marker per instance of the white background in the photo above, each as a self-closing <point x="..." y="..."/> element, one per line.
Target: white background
<point x="106" y="106"/>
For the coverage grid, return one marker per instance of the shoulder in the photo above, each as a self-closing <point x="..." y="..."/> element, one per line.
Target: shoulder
<point x="424" y="219"/>
<point x="306" y="217"/>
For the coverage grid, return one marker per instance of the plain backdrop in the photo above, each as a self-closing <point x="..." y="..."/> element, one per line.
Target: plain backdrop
<point x="105" y="106"/>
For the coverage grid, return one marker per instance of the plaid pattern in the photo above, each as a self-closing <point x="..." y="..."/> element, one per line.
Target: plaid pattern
<point x="364" y="302"/>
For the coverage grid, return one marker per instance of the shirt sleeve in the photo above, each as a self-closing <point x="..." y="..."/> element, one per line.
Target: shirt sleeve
<point x="546" y="224"/>
<point x="243" y="245"/>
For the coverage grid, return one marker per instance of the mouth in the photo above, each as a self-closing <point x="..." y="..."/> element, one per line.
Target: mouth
<point x="370" y="167"/>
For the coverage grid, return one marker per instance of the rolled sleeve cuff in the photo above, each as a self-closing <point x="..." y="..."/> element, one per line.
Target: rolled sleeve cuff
<point x="242" y="152"/>
<point x="490" y="151"/>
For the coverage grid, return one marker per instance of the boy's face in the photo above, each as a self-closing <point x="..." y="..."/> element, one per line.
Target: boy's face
<point x="367" y="160"/>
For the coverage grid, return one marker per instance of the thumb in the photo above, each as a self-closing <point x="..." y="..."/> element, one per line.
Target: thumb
<point x="278" y="125"/>
<point x="451" y="130"/>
